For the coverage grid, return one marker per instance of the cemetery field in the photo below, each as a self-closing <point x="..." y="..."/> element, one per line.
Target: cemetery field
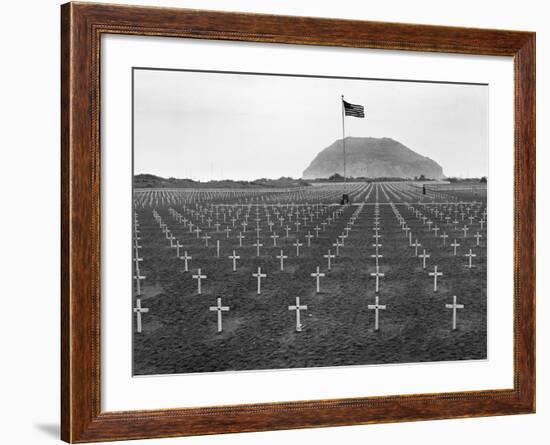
<point x="258" y="250"/>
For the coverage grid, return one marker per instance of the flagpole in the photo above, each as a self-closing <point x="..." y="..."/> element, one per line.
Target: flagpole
<point x="344" y="140"/>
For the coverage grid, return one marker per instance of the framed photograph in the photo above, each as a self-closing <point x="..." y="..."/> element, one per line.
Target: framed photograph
<point x="274" y="222"/>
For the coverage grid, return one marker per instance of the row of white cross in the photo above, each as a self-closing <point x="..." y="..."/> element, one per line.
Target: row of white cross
<point x="219" y="309"/>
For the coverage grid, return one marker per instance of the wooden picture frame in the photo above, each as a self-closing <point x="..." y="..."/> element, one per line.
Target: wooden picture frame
<point x="82" y="25"/>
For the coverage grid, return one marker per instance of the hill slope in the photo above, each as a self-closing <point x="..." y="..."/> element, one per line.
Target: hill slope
<point x="372" y="157"/>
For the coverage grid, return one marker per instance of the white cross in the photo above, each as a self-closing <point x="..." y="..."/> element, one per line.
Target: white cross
<point x="257" y="245"/>
<point x="316" y="231"/>
<point x="337" y="245"/>
<point x="298" y="308"/>
<point x="455" y="245"/>
<point x="138" y="310"/>
<point x="206" y="237"/>
<point x="444" y="236"/>
<point x="199" y="277"/>
<point x="424" y="256"/>
<point x="416" y="245"/>
<point x="376" y="256"/>
<point x="259" y="275"/>
<point x="435" y="274"/>
<point x="287" y="229"/>
<point x="241" y="237"/>
<point x="185" y="258"/>
<point x="138" y="279"/>
<point x="282" y="257"/>
<point x="465" y="229"/>
<point x="470" y="255"/>
<point x="436" y="229"/>
<point x="219" y="309"/>
<point x="328" y="256"/>
<point x="477" y="236"/>
<point x="309" y="236"/>
<point x="177" y="246"/>
<point x="377" y="274"/>
<point x="298" y="244"/>
<point x="454" y="307"/>
<point x="376" y="307"/>
<point x="217" y="247"/>
<point x="234" y="257"/>
<point x="317" y="276"/>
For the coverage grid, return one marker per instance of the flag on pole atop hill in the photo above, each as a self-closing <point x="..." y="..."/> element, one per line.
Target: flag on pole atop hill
<point x="353" y="110"/>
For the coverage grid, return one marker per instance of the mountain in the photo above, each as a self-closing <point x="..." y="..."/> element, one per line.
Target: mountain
<point x="373" y="158"/>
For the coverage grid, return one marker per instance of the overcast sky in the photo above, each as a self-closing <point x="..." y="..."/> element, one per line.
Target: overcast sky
<point x="217" y="125"/>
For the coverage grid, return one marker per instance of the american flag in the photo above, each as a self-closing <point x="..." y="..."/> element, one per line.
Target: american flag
<point x="353" y="110"/>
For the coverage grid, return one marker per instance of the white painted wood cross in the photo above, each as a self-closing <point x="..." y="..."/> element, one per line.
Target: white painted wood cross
<point x="274" y="237"/>
<point x="416" y="245"/>
<point x="297" y="307"/>
<point x="219" y="309"/>
<point x="444" y="236"/>
<point x="282" y="257"/>
<point x="337" y="245"/>
<point x="435" y="274"/>
<point x="477" y="236"/>
<point x="178" y="246"/>
<point x="297" y="244"/>
<point x="423" y="255"/>
<point x="470" y="255"/>
<point x="186" y="258"/>
<point x="317" y="275"/>
<point x="328" y="256"/>
<point x="376" y="307"/>
<point x="455" y="245"/>
<point x="234" y="258"/>
<point x="309" y="236"/>
<point x="259" y="275"/>
<point x="241" y="237"/>
<point x="377" y="275"/>
<point x="454" y="307"/>
<point x="138" y="279"/>
<point x="257" y="245"/>
<point x="199" y="277"/>
<point x="376" y="256"/>
<point x="138" y="310"/>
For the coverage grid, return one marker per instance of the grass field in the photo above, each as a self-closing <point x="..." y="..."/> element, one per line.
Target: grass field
<point x="179" y="333"/>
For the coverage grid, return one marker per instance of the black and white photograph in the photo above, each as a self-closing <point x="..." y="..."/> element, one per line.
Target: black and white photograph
<point x="302" y="221"/>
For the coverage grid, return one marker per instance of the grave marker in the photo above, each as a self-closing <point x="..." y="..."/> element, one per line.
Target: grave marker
<point x="376" y="307"/>
<point x="297" y="307"/>
<point x="454" y="307"/>
<point x="138" y="310"/>
<point x="219" y="309"/>
<point x="199" y="277"/>
<point x="317" y="276"/>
